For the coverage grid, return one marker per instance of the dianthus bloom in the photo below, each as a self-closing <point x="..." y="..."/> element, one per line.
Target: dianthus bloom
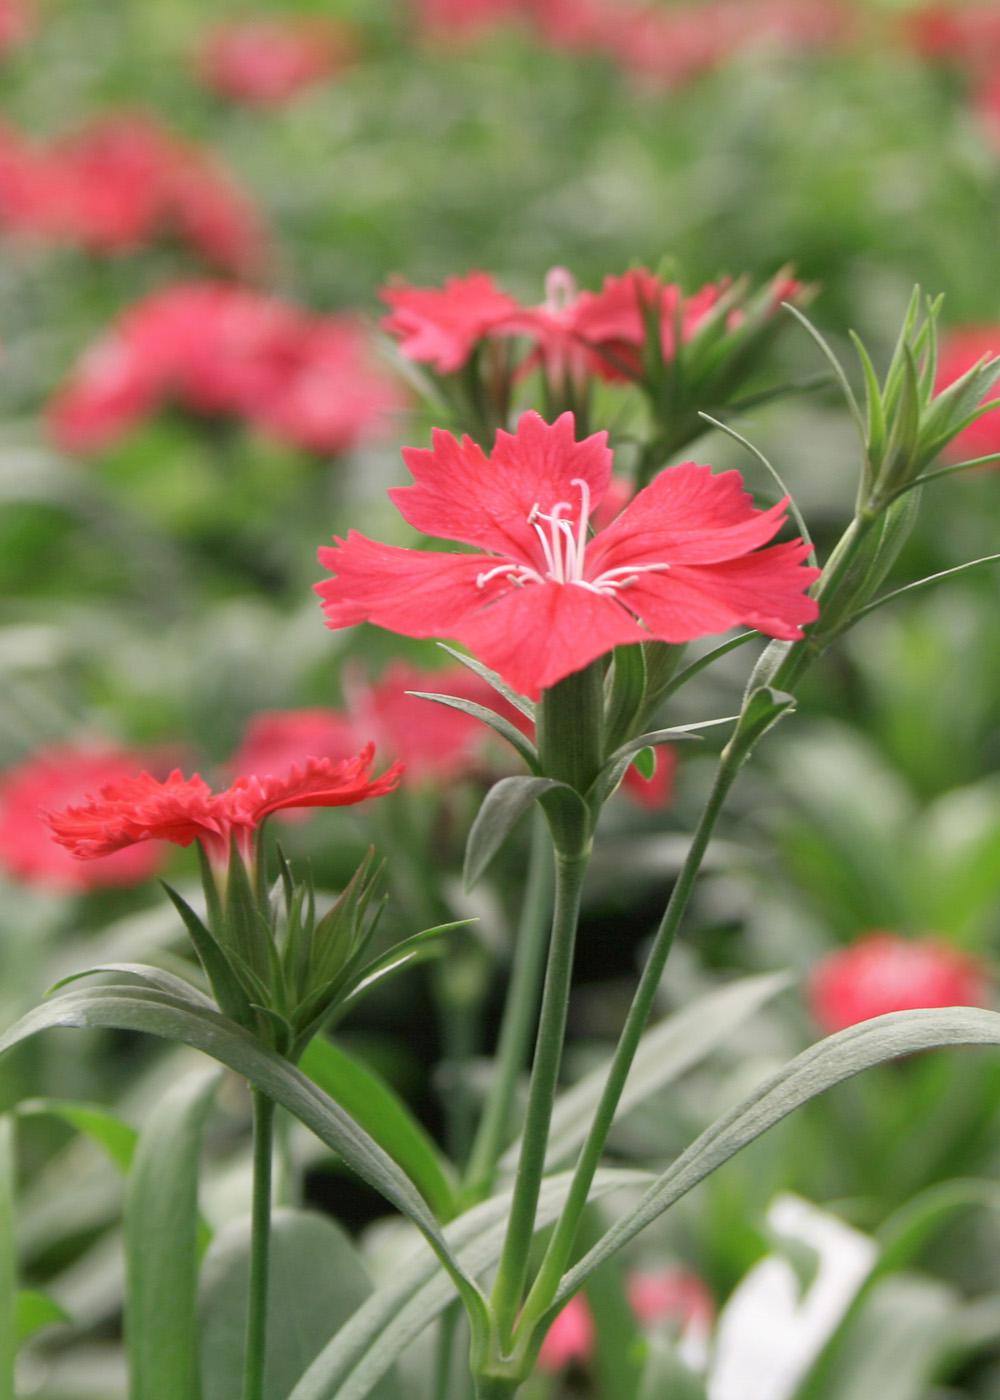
<point x="115" y="184"/>
<point x="959" y="351"/>
<point x="884" y="972"/>
<point x="219" y="349"/>
<point x="452" y="22"/>
<point x="142" y="808"/>
<point x="51" y="778"/>
<point x="681" y="561"/>
<point x="965" y="33"/>
<point x="435" y="743"/>
<point x="442" y="327"/>
<point x="570" y="1339"/>
<point x="268" y="61"/>
<point x="16" y="23"/>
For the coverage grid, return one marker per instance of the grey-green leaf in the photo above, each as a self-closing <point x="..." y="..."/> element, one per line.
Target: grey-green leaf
<point x="817" y="1069"/>
<point x="364" y="1349"/>
<point x="665" y="1052"/>
<point x="503" y="807"/>
<point x="317" y="1282"/>
<point x="161" y="1245"/>
<point x="116" y="1137"/>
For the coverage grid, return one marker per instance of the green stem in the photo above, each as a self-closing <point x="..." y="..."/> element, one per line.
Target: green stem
<point x="520" y="1011"/>
<point x="8" y="1261"/>
<point x="513" y="1269"/>
<point x="496" y="1388"/>
<point x="561" y="1242"/>
<point x="260" y="1248"/>
<point x="445" y="1351"/>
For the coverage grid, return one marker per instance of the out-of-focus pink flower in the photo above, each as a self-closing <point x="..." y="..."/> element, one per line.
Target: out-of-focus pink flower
<point x="884" y="972"/>
<point x="967" y="34"/>
<point x="987" y="104"/>
<point x="454" y="23"/>
<point x="570" y="1339"/>
<point x="442" y="326"/>
<point x="267" y="61"/>
<point x="959" y="351"/>
<point x="17" y="20"/>
<point x="434" y="742"/>
<point x="114" y="185"/>
<point x="671" y="1295"/>
<point x="218" y="349"/>
<point x="56" y="777"/>
<point x="653" y="793"/>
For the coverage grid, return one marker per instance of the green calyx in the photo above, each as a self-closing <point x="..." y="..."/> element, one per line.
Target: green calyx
<point x="279" y="969"/>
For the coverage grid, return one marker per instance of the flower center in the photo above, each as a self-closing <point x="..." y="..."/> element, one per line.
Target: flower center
<point x="564" y="550"/>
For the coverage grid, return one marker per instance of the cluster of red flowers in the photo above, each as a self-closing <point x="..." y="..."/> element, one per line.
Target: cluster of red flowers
<point x="118" y="183"/>
<point x="572" y="333"/>
<point x="16" y="22"/>
<point x="656" y="1297"/>
<point x="967" y="36"/>
<point x="268" y="61"/>
<point x="140" y="808"/>
<point x="682" y="560"/>
<point x="884" y="972"/>
<point x="663" y="44"/>
<point x="215" y="349"/>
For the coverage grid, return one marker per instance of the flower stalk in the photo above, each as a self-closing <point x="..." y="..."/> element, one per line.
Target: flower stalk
<point x="255" y="1353"/>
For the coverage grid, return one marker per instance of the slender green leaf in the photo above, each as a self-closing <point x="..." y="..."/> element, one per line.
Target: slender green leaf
<point x="834" y="363"/>
<point x="665" y="1053"/>
<point x="817" y="1069"/>
<point x="923" y="583"/>
<point x="161" y="1245"/>
<point x="382" y="1114"/>
<point x="33" y="1311"/>
<point x="485" y="715"/>
<point x="520" y="702"/>
<point x="154" y="977"/>
<point x="398" y="1312"/>
<point x="156" y="1013"/>
<point x="317" y="1282"/>
<point x="503" y="807"/>
<point x="113" y="1134"/>
<point x="229" y="993"/>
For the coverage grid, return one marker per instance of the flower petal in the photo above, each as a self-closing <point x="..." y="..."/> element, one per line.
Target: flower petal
<point x="687" y="515"/>
<point x="535" y="635"/>
<point x="460" y="494"/>
<point x="765" y="590"/>
<point x="419" y="593"/>
<point x="318" y="782"/>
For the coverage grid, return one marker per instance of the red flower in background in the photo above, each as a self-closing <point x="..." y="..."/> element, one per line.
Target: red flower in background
<point x="655" y="1296"/>
<point x="964" y="33"/>
<point x="441" y="327"/>
<point x="959" y="351"/>
<point x="453" y="22"/>
<point x="17" y="20"/>
<point x="434" y="742"/>
<point x="267" y="61"/>
<point x="988" y="107"/>
<point x="681" y="561"/>
<point x="51" y="778"/>
<point x="884" y="972"/>
<point x="140" y="808"/>
<point x="571" y="1337"/>
<point x="218" y="349"/>
<point x="119" y="182"/>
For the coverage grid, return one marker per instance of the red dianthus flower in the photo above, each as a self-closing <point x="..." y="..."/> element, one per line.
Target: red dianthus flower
<point x="442" y="326"/>
<point x="884" y="972"/>
<point x="681" y="561"/>
<point x="267" y="61"/>
<point x="62" y="774"/>
<point x="182" y="810"/>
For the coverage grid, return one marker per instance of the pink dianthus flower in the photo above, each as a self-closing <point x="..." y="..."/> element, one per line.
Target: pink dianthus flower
<point x="959" y="351"/>
<point x="884" y="972"/>
<point x="267" y="61"/>
<point x="683" y="560"/>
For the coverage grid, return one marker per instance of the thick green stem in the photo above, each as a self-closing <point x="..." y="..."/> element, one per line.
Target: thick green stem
<point x="8" y="1261"/>
<point x="520" y="1012"/>
<point x="561" y="1243"/>
<point x="496" y="1388"/>
<point x="508" y="1290"/>
<point x="260" y="1248"/>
